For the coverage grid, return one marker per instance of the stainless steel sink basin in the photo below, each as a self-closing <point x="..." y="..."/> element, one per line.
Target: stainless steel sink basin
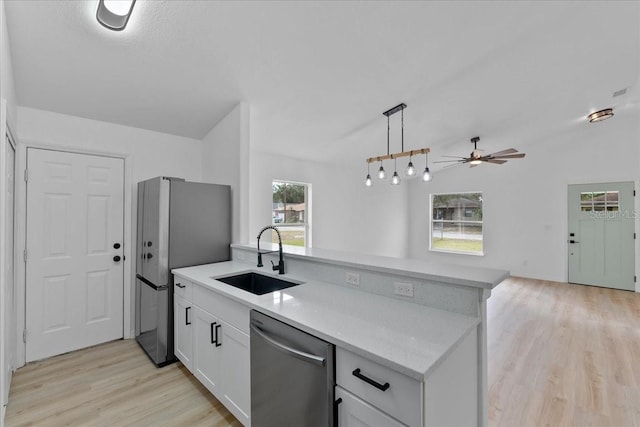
<point x="257" y="283"/>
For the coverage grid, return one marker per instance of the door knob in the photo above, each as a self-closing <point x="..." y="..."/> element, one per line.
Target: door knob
<point x="116" y="258"/>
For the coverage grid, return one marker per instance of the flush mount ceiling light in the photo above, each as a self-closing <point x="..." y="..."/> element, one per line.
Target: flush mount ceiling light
<point x="601" y="115"/>
<point x="114" y="14"/>
<point x="410" y="171"/>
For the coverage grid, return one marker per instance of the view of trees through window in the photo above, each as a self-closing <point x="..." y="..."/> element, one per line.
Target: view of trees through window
<point x="289" y="212"/>
<point x="456" y="223"/>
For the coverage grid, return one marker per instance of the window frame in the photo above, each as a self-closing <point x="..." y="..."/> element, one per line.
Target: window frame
<point x="431" y="220"/>
<point x="306" y="224"/>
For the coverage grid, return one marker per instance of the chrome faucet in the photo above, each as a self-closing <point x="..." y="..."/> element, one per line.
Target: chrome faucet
<point x="280" y="266"/>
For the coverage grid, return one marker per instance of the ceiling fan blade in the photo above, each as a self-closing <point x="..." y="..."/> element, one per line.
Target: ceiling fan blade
<point x="450" y="161"/>
<point x="495" y="161"/>
<point x="507" y="151"/>
<point x="511" y="156"/>
<point x="457" y="157"/>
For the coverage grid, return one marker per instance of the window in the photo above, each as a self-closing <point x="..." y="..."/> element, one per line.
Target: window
<point x="291" y="212"/>
<point x="599" y="201"/>
<point x="456" y="223"/>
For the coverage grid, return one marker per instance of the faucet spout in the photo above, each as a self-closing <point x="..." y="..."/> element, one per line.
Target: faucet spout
<point x="280" y="266"/>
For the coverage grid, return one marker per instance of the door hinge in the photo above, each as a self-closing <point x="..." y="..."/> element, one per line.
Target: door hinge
<point x="634" y="192"/>
<point x="634" y="279"/>
<point x="26" y="175"/>
<point x="25" y="255"/>
<point x="634" y="235"/>
<point x="24" y="336"/>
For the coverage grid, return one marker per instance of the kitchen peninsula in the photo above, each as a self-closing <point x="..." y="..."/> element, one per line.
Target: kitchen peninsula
<point x="429" y="343"/>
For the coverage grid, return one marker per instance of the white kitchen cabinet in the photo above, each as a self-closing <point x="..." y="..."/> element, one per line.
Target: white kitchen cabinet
<point x="206" y="355"/>
<point x="216" y="342"/>
<point x="183" y="330"/>
<point x="355" y="412"/>
<point x="235" y="368"/>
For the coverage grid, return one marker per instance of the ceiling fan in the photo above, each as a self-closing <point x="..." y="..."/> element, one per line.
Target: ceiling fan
<point x="476" y="157"/>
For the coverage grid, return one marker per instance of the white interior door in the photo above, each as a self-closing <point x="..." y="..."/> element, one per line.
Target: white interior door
<point x="74" y="279"/>
<point x="9" y="279"/>
<point x="601" y="235"/>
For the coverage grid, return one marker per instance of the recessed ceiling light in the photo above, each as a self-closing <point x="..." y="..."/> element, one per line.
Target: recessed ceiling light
<point x="601" y="115"/>
<point x="114" y="14"/>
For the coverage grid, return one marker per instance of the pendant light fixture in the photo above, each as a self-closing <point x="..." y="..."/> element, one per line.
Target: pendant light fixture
<point x="368" y="182"/>
<point x="410" y="171"/>
<point x="426" y="175"/>
<point x="114" y="14"/>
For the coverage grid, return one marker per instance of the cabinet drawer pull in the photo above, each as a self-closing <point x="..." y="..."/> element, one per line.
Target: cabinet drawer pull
<point x="181" y="285"/>
<point x="218" y="343"/>
<point x="213" y="341"/>
<point x="336" y="416"/>
<point x="186" y="316"/>
<point x="356" y="373"/>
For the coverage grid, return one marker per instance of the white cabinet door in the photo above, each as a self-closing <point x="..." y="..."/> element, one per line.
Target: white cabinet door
<point x="354" y="412"/>
<point x="206" y="349"/>
<point x="183" y="330"/>
<point x="235" y="372"/>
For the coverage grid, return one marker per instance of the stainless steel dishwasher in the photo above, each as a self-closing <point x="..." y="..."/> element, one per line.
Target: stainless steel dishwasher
<point x="292" y="376"/>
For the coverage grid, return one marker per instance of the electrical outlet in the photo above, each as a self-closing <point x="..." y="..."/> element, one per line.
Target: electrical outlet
<point x="404" y="289"/>
<point x="352" y="278"/>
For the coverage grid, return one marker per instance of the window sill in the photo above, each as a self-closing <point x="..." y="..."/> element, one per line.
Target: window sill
<point x="457" y="252"/>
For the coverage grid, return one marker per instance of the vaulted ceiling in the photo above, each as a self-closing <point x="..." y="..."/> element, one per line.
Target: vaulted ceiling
<point x="319" y="74"/>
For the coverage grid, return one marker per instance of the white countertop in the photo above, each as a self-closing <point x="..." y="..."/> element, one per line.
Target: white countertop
<point x="479" y="277"/>
<point x="410" y="338"/>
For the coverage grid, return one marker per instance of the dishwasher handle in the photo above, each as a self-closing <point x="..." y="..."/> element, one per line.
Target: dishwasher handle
<point x="307" y="357"/>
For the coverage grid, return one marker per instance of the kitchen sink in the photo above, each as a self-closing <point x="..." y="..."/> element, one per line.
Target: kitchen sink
<point x="257" y="283"/>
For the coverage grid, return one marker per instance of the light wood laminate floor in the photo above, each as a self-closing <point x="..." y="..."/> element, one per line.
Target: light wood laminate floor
<point x="559" y="355"/>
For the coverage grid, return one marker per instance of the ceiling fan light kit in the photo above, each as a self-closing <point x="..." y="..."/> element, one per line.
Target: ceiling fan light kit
<point x="410" y="171"/>
<point x="601" y="115"/>
<point x="113" y="14"/>
<point x="476" y="157"/>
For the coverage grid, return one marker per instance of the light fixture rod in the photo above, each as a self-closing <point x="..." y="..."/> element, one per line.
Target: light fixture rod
<point x="402" y="129"/>
<point x="388" y="128"/>
<point x="396" y="155"/>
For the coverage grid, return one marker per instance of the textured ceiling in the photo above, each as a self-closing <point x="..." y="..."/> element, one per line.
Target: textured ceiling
<point x="318" y="75"/>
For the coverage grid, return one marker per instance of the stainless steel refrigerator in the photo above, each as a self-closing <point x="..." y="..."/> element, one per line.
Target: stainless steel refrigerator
<point x="180" y="224"/>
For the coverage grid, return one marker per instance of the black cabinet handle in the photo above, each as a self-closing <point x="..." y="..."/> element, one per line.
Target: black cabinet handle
<point x="186" y="316"/>
<point x="116" y="258"/>
<point x="335" y="411"/>
<point x="181" y="285"/>
<point x="213" y="341"/>
<point x="218" y="343"/>
<point x="356" y="373"/>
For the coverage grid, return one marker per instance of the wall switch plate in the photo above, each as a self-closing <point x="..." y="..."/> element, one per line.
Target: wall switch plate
<point x="404" y="289"/>
<point x="352" y="278"/>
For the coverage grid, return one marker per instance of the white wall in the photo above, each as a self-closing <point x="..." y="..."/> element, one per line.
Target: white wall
<point x="7" y="116"/>
<point x="225" y="160"/>
<point x="525" y="201"/>
<point x="345" y="215"/>
<point x="147" y="154"/>
<point x="7" y="87"/>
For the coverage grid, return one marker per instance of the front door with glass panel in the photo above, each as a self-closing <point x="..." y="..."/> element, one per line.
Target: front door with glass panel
<point x="601" y="235"/>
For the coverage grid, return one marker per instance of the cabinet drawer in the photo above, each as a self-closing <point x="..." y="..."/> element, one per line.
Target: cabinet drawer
<point x="230" y="311"/>
<point x="183" y="288"/>
<point x="401" y="399"/>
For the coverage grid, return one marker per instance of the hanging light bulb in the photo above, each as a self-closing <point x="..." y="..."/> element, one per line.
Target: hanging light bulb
<point x="395" y="179"/>
<point x="426" y="175"/>
<point x="368" y="182"/>
<point x="410" y="171"/>
<point x="381" y="173"/>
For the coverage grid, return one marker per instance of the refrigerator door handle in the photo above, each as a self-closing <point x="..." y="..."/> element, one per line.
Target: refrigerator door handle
<point x="148" y="283"/>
